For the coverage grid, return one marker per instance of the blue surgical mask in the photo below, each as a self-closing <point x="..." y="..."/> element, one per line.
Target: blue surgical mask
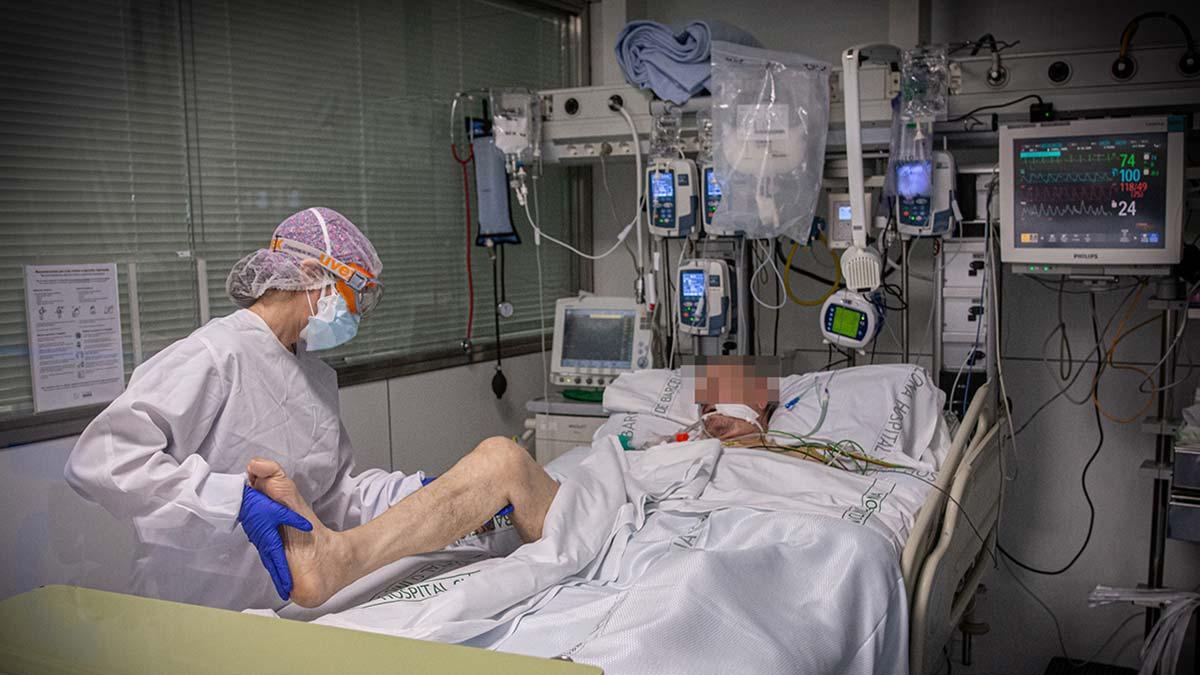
<point x="332" y="325"/>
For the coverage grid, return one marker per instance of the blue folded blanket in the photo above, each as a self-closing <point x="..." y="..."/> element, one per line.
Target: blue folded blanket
<point x="674" y="66"/>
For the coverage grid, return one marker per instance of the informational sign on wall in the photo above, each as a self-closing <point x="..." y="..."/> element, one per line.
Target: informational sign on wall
<point x="74" y="318"/>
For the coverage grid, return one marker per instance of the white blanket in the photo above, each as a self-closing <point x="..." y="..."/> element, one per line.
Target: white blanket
<point x="685" y="558"/>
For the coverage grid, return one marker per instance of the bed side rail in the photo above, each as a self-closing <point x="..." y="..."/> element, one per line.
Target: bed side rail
<point x="970" y="435"/>
<point x="952" y="571"/>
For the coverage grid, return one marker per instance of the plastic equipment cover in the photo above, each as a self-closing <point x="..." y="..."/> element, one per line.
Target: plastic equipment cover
<point x="770" y="113"/>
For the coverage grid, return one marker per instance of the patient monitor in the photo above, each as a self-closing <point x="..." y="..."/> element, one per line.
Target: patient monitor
<point x="1102" y="196"/>
<point x="596" y="339"/>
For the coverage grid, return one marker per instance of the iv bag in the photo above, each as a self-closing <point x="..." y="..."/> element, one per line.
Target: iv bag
<point x="517" y="126"/>
<point x="491" y="188"/>
<point x="770" y="117"/>
<point x="924" y="82"/>
<point x="914" y="159"/>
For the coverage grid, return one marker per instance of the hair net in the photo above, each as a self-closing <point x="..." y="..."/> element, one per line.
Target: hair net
<point x="267" y="269"/>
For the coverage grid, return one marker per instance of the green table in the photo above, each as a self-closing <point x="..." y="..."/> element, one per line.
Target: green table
<point x="64" y="629"/>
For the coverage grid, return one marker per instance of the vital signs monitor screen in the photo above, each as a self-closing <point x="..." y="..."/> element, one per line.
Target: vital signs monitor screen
<point x="598" y="338"/>
<point x="1102" y="191"/>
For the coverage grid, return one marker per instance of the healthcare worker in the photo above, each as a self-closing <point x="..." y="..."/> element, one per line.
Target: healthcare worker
<point x="171" y="452"/>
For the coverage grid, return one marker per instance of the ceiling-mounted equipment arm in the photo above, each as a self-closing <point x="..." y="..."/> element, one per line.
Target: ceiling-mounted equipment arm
<point x="862" y="266"/>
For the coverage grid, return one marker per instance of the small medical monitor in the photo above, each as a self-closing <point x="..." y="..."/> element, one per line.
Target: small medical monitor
<point x="1100" y="196"/>
<point x="596" y="339"/>
<point x="602" y="338"/>
<point x="846" y="321"/>
<point x="710" y="179"/>
<point x="663" y="184"/>
<point x="692" y="283"/>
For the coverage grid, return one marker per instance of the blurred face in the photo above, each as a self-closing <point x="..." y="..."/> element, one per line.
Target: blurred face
<point x="750" y="381"/>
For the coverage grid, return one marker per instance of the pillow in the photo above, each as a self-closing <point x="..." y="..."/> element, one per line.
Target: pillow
<point x="637" y="431"/>
<point x="660" y="392"/>
<point x="887" y="409"/>
<point x="648" y="406"/>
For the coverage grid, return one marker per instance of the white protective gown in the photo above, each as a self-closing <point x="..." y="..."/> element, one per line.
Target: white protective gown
<point x="171" y="452"/>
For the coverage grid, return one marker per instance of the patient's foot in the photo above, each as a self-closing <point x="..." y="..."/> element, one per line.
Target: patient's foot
<point x="318" y="560"/>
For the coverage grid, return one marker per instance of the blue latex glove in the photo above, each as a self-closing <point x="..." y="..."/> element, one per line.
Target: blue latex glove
<point x="502" y="512"/>
<point x="261" y="517"/>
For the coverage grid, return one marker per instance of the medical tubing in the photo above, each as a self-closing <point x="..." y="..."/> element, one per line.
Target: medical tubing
<point x="803" y="272"/>
<point x="496" y="304"/>
<point x="637" y="200"/>
<point x="537" y="254"/>
<point x="990" y="262"/>
<point x="1132" y="26"/>
<point x="995" y="107"/>
<point x="1082" y="476"/>
<point x="1109" y="365"/>
<point x="572" y="249"/>
<point x="974" y="346"/>
<point x="1063" y="390"/>
<point x="632" y="225"/>
<point x="1174" y="343"/>
<point x="833" y="286"/>
<point x="767" y="259"/>
<point x="612" y="207"/>
<point x="673" y="320"/>
<point x="983" y="300"/>
<point x="967" y="359"/>
<point x="462" y="163"/>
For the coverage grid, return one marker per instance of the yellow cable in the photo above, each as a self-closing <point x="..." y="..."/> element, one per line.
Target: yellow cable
<point x="1109" y="358"/>
<point x="1121" y="334"/>
<point x="787" y="277"/>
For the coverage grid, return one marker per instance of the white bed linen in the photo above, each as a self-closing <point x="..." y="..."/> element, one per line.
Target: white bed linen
<point x="686" y="558"/>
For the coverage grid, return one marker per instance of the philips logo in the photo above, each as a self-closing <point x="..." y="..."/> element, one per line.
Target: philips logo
<point x="1086" y="256"/>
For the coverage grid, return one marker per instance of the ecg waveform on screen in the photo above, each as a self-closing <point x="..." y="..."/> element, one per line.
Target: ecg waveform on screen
<point x="1080" y="208"/>
<point x="1073" y="158"/>
<point x="1067" y="192"/>
<point x="1057" y="177"/>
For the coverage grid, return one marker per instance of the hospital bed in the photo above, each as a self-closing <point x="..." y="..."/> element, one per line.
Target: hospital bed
<point x="939" y="547"/>
<point x="946" y="552"/>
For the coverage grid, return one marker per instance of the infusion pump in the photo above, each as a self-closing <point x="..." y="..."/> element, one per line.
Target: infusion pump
<point x="671" y="197"/>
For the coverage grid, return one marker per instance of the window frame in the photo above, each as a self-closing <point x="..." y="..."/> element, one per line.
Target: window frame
<point x="22" y="429"/>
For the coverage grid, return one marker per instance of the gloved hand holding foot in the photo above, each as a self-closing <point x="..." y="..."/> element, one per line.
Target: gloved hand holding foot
<point x="496" y="474"/>
<point x="261" y="518"/>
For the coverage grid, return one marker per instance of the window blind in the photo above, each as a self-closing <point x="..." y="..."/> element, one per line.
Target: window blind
<point x="346" y="105"/>
<point x="92" y="164"/>
<point x="150" y="132"/>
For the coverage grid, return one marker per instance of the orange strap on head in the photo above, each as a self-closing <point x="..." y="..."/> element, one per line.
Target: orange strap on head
<point x="352" y="279"/>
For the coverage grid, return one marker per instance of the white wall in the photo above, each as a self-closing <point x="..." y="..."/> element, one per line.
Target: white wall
<point x="1045" y="515"/>
<point x="420" y="422"/>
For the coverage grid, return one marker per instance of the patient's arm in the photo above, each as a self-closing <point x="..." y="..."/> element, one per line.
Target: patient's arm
<point x="497" y="472"/>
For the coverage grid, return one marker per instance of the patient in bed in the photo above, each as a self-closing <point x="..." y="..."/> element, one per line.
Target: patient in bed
<point x="322" y="562"/>
<point x="736" y="394"/>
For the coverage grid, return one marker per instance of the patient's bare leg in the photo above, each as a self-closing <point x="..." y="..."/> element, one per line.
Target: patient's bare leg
<point x="497" y="472"/>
